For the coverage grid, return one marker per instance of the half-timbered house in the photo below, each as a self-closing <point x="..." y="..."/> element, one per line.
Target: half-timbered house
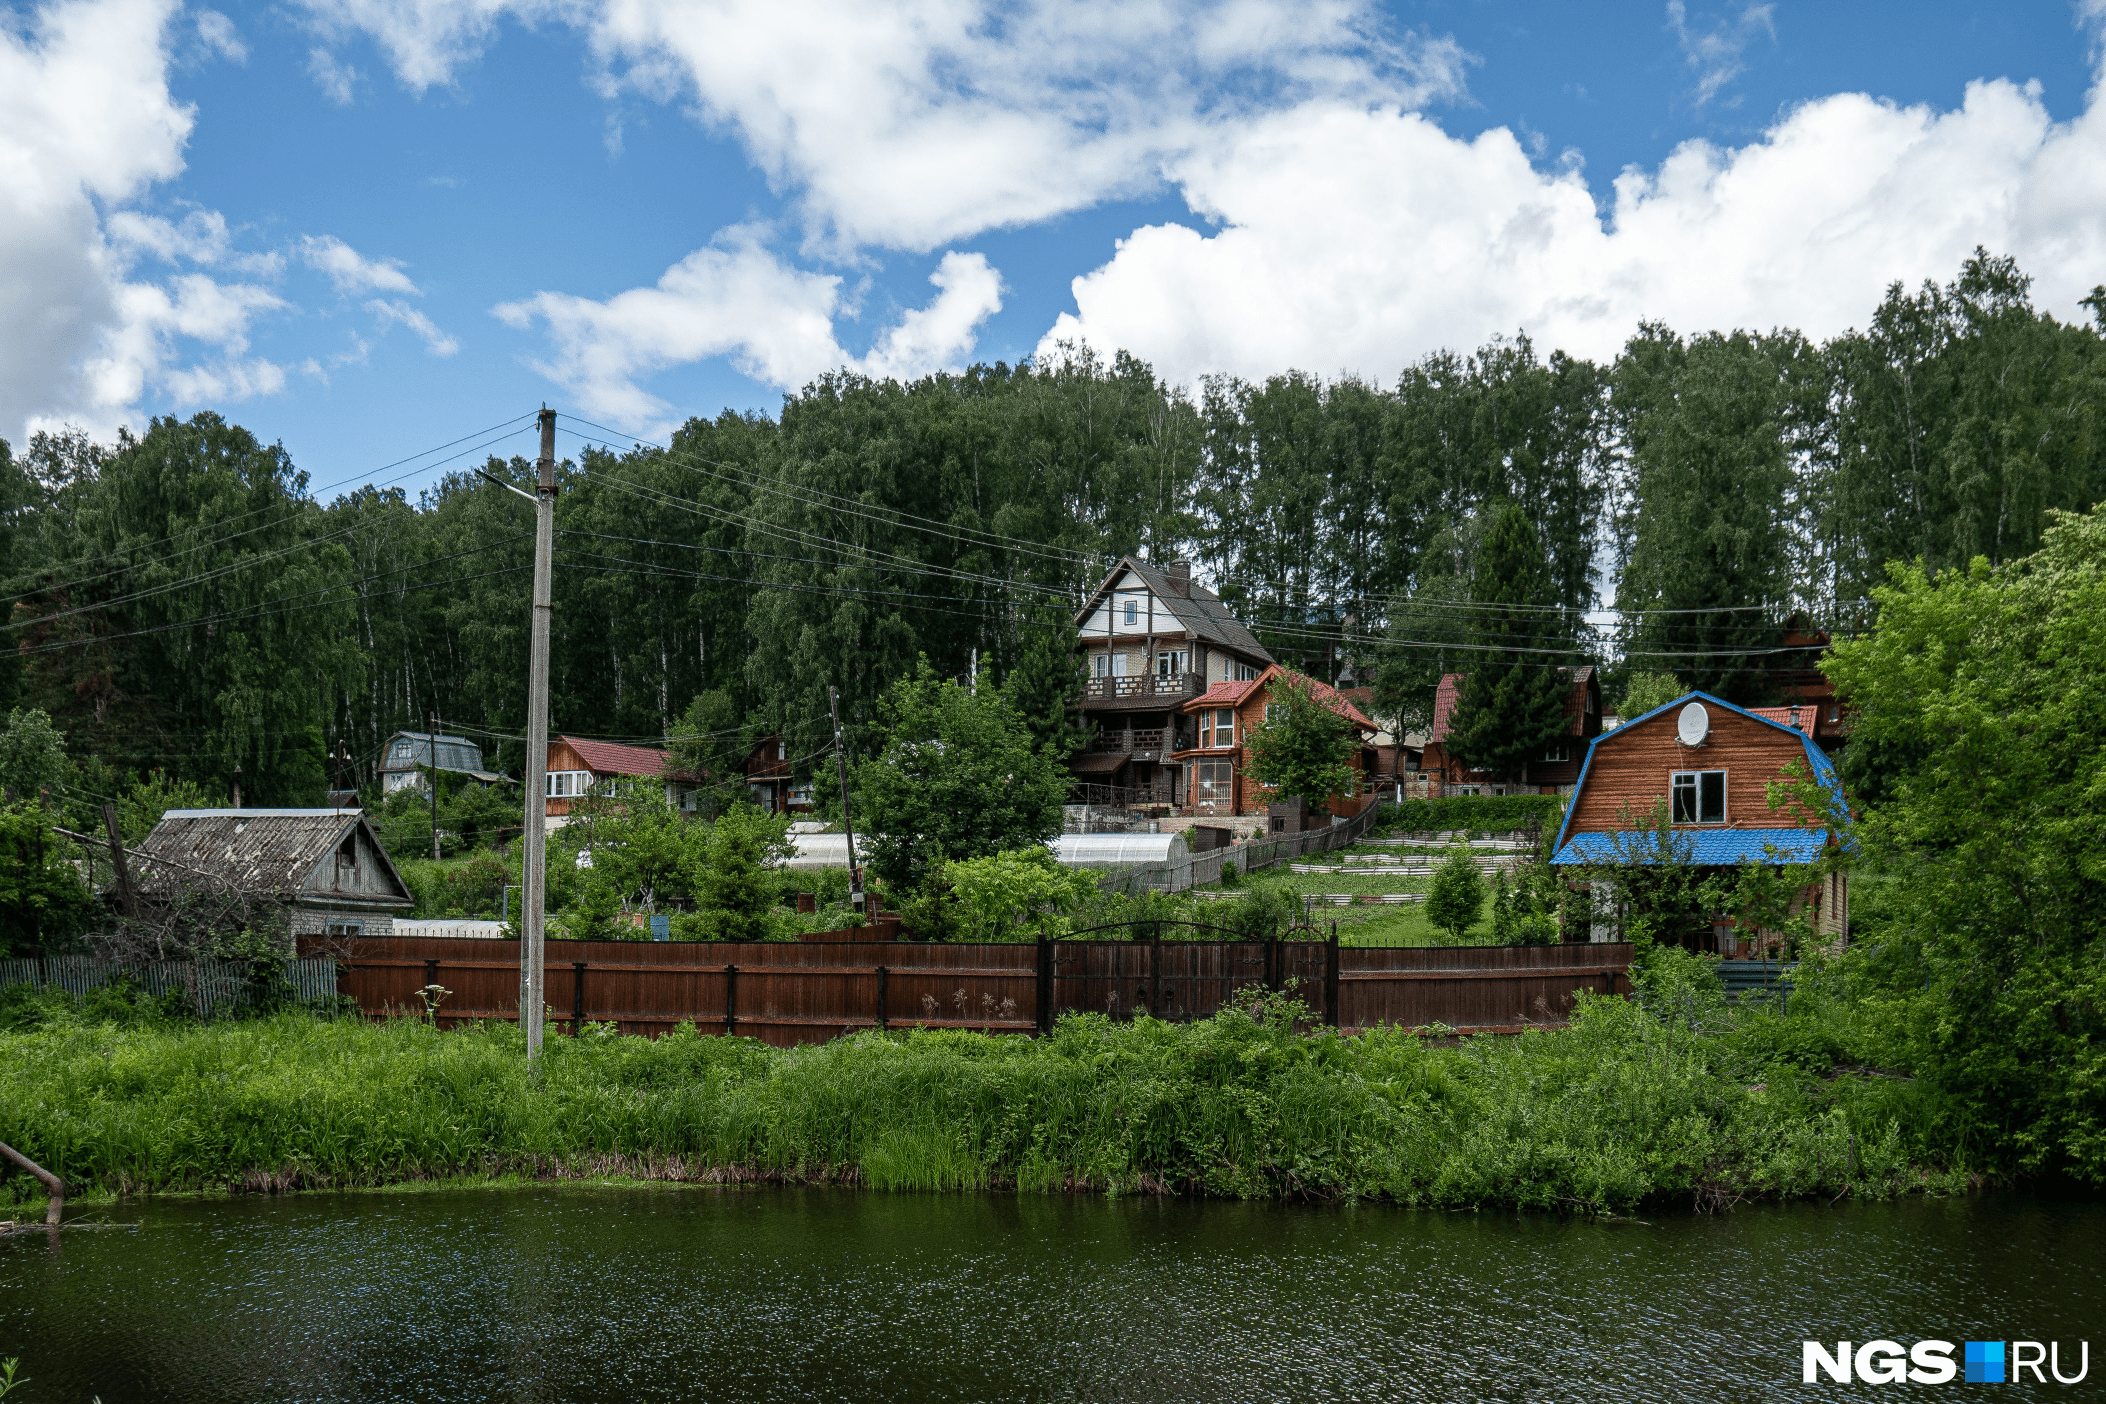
<point x="1152" y="640"/>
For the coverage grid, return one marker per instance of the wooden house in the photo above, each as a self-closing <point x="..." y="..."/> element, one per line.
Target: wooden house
<point x="1212" y="756"/>
<point x="771" y="778"/>
<point x="577" y="765"/>
<point x="327" y="865"/>
<point x="1152" y="640"/>
<point x="1712" y="764"/>
<point x="1552" y="772"/>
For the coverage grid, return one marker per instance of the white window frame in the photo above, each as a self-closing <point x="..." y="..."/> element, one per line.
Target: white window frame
<point x="1244" y="672"/>
<point x="1692" y="782"/>
<point x="1100" y="665"/>
<point x="1170" y="663"/>
<point x="1133" y="613"/>
<point x="1118" y="665"/>
<point x="1272" y="710"/>
<point x="1224" y="726"/>
<point x="1557" y="753"/>
<point x="567" y="784"/>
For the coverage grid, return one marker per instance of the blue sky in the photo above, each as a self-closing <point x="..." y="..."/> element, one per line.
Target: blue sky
<point x="365" y="227"/>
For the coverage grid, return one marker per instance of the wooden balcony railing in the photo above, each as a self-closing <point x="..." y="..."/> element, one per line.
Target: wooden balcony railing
<point x="1172" y="689"/>
<point x="1122" y="742"/>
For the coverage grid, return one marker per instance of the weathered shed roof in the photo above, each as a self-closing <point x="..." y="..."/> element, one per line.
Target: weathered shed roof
<point x="261" y="851"/>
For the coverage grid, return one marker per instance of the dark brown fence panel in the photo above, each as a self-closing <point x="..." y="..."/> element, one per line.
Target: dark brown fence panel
<point x="1499" y="988"/>
<point x="806" y="992"/>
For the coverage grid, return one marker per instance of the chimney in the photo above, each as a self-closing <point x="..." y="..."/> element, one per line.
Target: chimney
<point x="1795" y="716"/>
<point x="1178" y="576"/>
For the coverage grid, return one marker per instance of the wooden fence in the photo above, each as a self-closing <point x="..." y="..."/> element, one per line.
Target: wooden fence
<point x="787" y="993"/>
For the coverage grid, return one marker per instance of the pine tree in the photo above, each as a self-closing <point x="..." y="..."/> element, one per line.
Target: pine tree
<point x="1045" y="687"/>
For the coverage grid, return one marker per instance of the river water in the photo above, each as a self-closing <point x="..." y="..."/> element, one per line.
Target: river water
<point x="601" y="1294"/>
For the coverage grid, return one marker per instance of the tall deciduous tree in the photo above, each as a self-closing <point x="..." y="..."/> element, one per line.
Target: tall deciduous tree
<point x="958" y="778"/>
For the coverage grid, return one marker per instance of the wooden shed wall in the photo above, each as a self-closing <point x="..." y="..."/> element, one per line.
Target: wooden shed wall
<point x="1633" y="767"/>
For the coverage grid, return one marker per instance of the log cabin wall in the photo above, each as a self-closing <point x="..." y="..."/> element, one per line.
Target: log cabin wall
<point x="1632" y="765"/>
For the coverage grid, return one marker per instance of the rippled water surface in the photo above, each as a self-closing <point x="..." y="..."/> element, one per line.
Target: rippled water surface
<point x="576" y="1294"/>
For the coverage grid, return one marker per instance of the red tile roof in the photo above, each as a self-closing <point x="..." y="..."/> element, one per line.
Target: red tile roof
<point x="1808" y="715"/>
<point x="608" y="758"/>
<point x="1223" y="694"/>
<point x="1233" y="694"/>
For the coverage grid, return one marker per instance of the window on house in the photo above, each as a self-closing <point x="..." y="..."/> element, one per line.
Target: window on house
<point x="1245" y="673"/>
<point x="1170" y="664"/>
<point x="400" y="750"/>
<point x="1215" y="790"/>
<point x="343" y="928"/>
<point x="1557" y="753"/>
<point x="1100" y="664"/>
<point x="782" y="750"/>
<point x="565" y="784"/>
<point x="1835" y="712"/>
<point x="1272" y="710"/>
<point x="1133" y="614"/>
<point x="1700" y="796"/>
<point x="1224" y="726"/>
<point x="347" y="854"/>
<point x="1118" y="665"/>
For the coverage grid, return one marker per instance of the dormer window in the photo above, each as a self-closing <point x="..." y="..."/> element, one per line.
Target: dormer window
<point x="1699" y="796"/>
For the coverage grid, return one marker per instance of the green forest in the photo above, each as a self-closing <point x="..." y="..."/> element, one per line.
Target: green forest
<point x="185" y="601"/>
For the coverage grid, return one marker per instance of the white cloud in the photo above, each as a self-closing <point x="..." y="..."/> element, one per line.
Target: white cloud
<point x="1359" y="240"/>
<point x="916" y="124"/>
<point x="337" y="80"/>
<point x="87" y="124"/>
<point x="737" y="299"/>
<point x="218" y="34"/>
<point x="435" y="341"/>
<point x="351" y="271"/>
<point x="1717" y="50"/>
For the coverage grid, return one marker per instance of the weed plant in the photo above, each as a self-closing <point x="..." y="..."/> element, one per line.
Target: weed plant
<point x="1679" y="1099"/>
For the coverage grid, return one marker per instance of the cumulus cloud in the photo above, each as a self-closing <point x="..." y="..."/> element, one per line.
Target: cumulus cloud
<point x="351" y="271"/>
<point x="912" y="125"/>
<point x="738" y="299"/>
<point x="1355" y="239"/>
<point x="391" y="312"/>
<point x="87" y="125"/>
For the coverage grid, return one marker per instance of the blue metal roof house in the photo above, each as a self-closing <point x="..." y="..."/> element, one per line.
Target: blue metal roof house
<point x="1712" y="764"/>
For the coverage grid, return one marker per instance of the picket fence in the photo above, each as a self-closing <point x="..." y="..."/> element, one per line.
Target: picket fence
<point x="214" y="987"/>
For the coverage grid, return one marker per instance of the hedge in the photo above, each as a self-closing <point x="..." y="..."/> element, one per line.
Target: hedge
<point x="1484" y="813"/>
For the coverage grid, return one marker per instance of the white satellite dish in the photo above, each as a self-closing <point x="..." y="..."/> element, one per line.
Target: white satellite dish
<point x="1693" y="724"/>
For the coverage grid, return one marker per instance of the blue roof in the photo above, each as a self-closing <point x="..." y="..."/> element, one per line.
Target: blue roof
<point x="1722" y="842"/>
<point x="1705" y="847"/>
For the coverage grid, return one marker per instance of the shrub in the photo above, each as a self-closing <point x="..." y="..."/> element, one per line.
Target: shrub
<point x="1456" y="896"/>
<point x="1492" y="814"/>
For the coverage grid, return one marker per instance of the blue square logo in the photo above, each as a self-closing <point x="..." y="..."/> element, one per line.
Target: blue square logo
<point x="1985" y="1362"/>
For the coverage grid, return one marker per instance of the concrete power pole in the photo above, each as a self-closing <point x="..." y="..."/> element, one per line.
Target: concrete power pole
<point x="855" y="869"/>
<point x="534" y="897"/>
<point x="431" y="720"/>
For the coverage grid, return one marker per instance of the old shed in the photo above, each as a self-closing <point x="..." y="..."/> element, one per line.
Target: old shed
<point x="326" y="864"/>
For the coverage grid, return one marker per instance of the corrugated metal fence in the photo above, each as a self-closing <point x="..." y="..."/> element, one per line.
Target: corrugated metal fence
<point x="213" y="986"/>
<point x="806" y="992"/>
<point x="1201" y="869"/>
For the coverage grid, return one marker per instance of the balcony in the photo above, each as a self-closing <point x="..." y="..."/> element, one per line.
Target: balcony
<point x="1141" y="691"/>
<point x="1145" y="743"/>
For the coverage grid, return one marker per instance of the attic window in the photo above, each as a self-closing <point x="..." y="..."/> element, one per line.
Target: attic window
<point x="347" y="854"/>
<point x="1700" y="796"/>
<point x="1133" y="614"/>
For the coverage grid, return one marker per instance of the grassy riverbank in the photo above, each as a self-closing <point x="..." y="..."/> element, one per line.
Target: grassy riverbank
<point x="1625" y="1108"/>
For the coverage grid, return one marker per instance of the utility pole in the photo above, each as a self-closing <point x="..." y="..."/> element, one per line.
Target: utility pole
<point x="534" y="898"/>
<point x="431" y="720"/>
<point x="855" y="869"/>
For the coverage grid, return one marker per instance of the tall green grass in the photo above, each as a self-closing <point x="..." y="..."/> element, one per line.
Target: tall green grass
<point x="1626" y="1107"/>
